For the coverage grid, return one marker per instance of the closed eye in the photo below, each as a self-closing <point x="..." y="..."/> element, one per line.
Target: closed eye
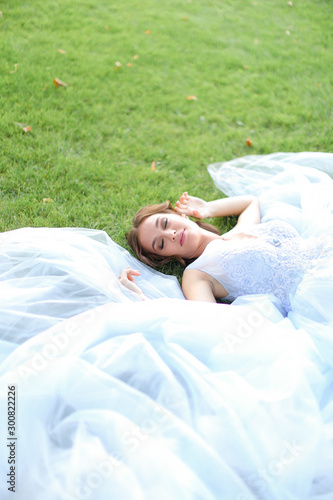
<point x="164" y="224"/>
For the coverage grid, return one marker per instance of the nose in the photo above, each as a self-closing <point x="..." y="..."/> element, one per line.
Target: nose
<point x="173" y="234"/>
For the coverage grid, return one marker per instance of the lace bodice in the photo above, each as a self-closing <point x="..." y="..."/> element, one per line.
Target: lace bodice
<point x="273" y="261"/>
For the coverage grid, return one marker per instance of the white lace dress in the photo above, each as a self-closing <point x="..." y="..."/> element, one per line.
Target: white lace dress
<point x="272" y="261"/>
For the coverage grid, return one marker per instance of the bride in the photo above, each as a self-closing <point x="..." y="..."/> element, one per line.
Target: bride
<point x="172" y="398"/>
<point x="252" y="258"/>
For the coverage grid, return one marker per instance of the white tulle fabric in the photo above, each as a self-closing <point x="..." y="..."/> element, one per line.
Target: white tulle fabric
<point x="169" y="399"/>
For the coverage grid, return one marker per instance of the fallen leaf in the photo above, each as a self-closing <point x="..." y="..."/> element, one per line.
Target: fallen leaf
<point x="249" y="142"/>
<point x="136" y="57"/>
<point x="107" y="28"/>
<point x="184" y="18"/>
<point x="240" y="124"/>
<point x="287" y="32"/>
<point x="153" y="166"/>
<point x="118" y="65"/>
<point x="48" y="200"/>
<point x="245" y="66"/>
<point x="191" y="98"/>
<point x="129" y="65"/>
<point x="290" y="4"/>
<point x="24" y="127"/>
<point x="61" y="51"/>
<point x="0" y="13"/>
<point x="147" y="32"/>
<point x="59" y="83"/>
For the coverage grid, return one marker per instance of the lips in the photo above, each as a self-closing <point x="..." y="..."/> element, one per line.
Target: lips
<point x="182" y="237"/>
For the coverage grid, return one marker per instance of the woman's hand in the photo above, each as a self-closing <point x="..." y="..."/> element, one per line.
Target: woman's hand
<point x="192" y="206"/>
<point x="126" y="278"/>
<point x="247" y="207"/>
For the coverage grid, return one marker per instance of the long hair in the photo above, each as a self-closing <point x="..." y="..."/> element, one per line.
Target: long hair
<point x="151" y="258"/>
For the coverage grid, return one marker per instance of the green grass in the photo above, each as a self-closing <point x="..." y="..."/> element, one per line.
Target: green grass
<point x="258" y="69"/>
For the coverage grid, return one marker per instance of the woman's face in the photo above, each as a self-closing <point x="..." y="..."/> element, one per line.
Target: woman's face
<point x="170" y="235"/>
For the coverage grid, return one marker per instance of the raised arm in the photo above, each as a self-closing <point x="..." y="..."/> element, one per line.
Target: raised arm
<point x="246" y="207"/>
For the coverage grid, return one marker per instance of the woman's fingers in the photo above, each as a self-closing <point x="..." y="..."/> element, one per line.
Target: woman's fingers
<point x="131" y="273"/>
<point x="182" y="204"/>
<point x="185" y="206"/>
<point x="128" y="273"/>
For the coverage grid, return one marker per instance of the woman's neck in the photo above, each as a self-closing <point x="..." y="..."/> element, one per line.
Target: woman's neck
<point x="206" y="238"/>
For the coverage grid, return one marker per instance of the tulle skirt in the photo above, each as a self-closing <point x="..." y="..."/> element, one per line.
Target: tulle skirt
<point x="169" y="399"/>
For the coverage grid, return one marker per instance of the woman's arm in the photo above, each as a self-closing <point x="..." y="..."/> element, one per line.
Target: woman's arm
<point x="198" y="285"/>
<point x="246" y="207"/>
<point x="251" y="213"/>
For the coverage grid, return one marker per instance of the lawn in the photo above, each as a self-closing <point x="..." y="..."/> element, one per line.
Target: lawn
<point x="156" y="91"/>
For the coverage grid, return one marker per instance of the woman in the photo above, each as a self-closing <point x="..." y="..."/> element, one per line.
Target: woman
<point x="214" y="401"/>
<point x="252" y="258"/>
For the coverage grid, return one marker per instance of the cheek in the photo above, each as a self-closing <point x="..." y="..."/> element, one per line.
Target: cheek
<point x="144" y="238"/>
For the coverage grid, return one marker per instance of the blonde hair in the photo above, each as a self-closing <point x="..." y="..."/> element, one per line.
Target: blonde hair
<point x="151" y="258"/>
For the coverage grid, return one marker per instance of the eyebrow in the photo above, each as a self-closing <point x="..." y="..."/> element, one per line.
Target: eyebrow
<point x="156" y="224"/>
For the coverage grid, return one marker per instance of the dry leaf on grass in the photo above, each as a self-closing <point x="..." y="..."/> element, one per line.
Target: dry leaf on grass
<point x="249" y="143"/>
<point x="153" y="166"/>
<point x="61" y="51"/>
<point x="25" y="128"/>
<point x="191" y="98"/>
<point x="48" y="200"/>
<point x="59" y="83"/>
